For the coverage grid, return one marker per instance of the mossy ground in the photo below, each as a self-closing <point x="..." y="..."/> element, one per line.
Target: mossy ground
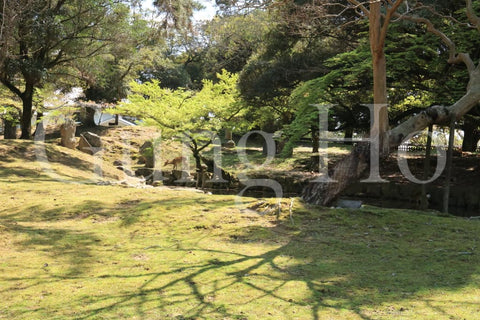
<point x="86" y="251"/>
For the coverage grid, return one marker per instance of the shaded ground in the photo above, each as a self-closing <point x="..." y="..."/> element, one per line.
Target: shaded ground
<point x="465" y="169"/>
<point x="403" y="191"/>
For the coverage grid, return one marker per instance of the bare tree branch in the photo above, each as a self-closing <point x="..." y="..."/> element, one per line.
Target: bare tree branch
<point x="390" y="12"/>
<point x="360" y="5"/>
<point x="454" y="56"/>
<point x="472" y="17"/>
<point x="11" y="86"/>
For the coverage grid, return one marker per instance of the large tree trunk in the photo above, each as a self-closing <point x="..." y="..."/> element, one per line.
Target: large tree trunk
<point x="26" y="120"/>
<point x="379" y="63"/>
<point x="438" y="114"/>
<point x="351" y="168"/>
<point x="347" y="170"/>
<point x="348" y="135"/>
<point x="90" y="117"/>
<point x="471" y="135"/>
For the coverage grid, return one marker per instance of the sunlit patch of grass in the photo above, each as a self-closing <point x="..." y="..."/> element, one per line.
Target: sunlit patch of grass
<point x="85" y="251"/>
<point x="252" y="159"/>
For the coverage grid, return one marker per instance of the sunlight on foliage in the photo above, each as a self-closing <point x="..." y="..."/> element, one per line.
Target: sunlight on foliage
<point x="174" y="111"/>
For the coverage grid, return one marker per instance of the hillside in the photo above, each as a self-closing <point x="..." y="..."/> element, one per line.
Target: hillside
<point x="89" y="251"/>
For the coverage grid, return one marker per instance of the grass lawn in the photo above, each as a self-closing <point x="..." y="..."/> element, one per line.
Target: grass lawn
<point x="87" y="251"/>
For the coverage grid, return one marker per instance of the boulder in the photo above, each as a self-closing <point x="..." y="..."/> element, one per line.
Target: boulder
<point x="120" y="163"/>
<point x="90" y="143"/>
<point x="84" y="145"/>
<point x="144" y="172"/>
<point x="349" y="204"/>
<point x="67" y="133"/>
<point x="127" y="171"/>
<point x="93" y="139"/>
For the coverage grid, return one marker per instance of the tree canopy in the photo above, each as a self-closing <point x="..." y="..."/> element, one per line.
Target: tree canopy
<point x="186" y="114"/>
<point x="280" y="59"/>
<point x="96" y="41"/>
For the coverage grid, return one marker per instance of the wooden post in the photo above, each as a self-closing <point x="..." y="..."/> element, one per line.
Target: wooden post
<point x="448" y="173"/>
<point x="426" y="169"/>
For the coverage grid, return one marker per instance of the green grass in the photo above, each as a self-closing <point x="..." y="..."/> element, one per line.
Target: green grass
<point x="257" y="162"/>
<point x="84" y="251"/>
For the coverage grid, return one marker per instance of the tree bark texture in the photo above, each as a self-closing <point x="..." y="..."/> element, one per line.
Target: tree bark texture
<point x="379" y="65"/>
<point x="90" y="117"/>
<point x="471" y="135"/>
<point x="26" y="119"/>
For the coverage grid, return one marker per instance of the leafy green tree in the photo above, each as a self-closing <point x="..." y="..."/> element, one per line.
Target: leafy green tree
<point x="232" y="40"/>
<point x="106" y="76"/>
<point x="225" y="42"/>
<point x="414" y="83"/>
<point x="169" y="73"/>
<point x="48" y="35"/>
<point x="186" y="114"/>
<point x="177" y="14"/>
<point x="294" y="50"/>
<point x="51" y="39"/>
<point x="343" y="88"/>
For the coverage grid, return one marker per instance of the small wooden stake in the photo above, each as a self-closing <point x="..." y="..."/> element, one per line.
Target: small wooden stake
<point x="426" y="169"/>
<point x="448" y="173"/>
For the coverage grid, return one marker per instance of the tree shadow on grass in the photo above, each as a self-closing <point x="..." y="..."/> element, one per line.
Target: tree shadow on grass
<point x="329" y="282"/>
<point x="22" y="175"/>
<point x="344" y="262"/>
<point x="69" y="247"/>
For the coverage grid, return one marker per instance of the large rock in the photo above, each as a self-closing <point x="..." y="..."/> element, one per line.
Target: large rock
<point x="144" y="172"/>
<point x="90" y="143"/>
<point x="94" y="139"/>
<point x="127" y="171"/>
<point x="84" y="145"/>
<point x="349" y="204"/>
<point x="67" y="133"/>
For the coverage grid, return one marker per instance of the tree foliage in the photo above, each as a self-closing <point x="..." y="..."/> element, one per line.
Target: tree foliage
<point x="232" y="40"/>
<point x="50" y="35"/>
<point x="139" y="46"/>
<point x="298" y="42"/>
<point x="97" y="41"/>
<point x="186" y="114"/>
<point x="351" y="167"/>
<point x="177" y="14"/>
